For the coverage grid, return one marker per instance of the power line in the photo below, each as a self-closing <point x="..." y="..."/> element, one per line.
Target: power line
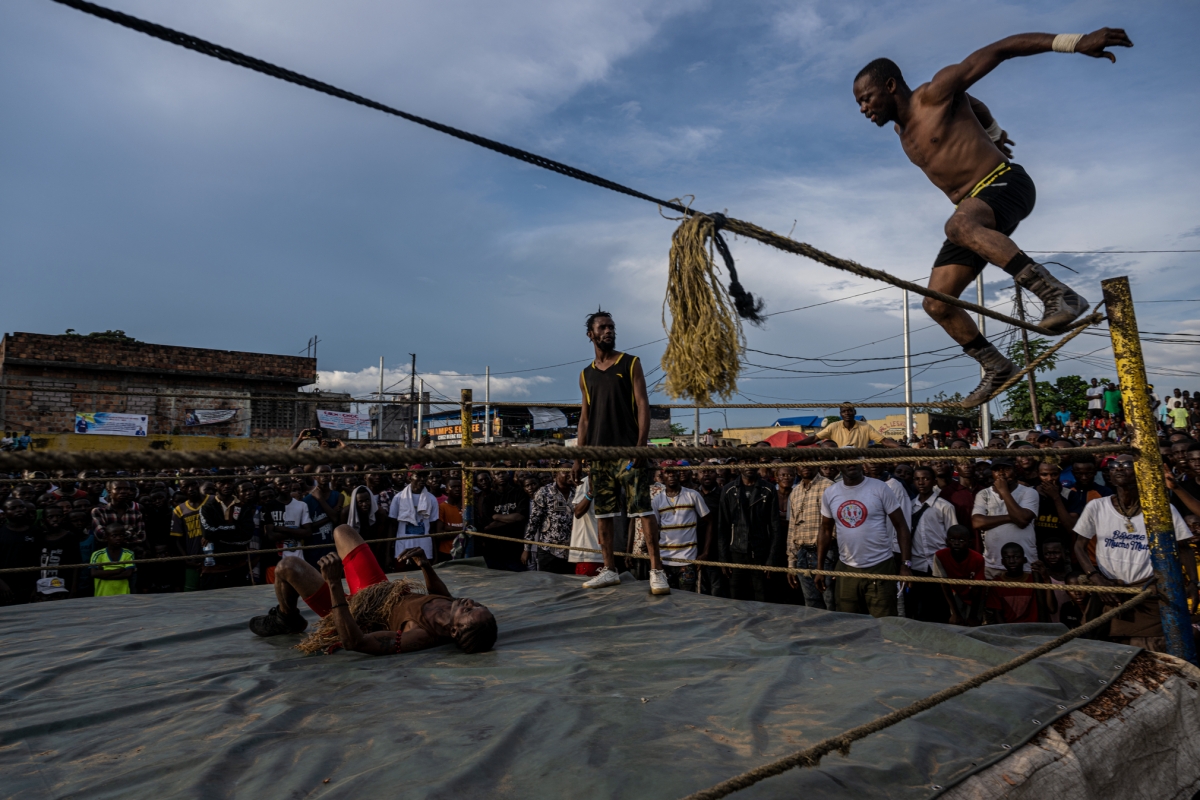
<point x="1104" y="252"/>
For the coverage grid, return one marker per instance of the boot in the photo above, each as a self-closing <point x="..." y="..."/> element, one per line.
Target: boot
<point x="1062" y="304"/>
<point x="276" y="623"/>
<point x="996" y="370"/>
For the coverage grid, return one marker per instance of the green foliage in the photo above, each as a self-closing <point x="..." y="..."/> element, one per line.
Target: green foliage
<point x="678" y="430"/>
<point x="1037" y="346"/>
<point x="105" y="336"/>
<point x="1069" y="390"/>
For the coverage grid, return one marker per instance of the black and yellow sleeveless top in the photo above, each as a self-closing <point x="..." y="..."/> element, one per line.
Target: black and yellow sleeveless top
<point x="612" y="407"/>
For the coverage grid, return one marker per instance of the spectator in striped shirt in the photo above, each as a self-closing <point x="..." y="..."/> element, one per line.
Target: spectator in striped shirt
<point x="684" y="522"/>
<point x="121" y="508"/>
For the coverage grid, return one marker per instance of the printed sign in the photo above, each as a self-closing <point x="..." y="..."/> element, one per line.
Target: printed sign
<point x="102" y="422"/>
<point x="344" y="421"/>
<point x="208" y="416"/>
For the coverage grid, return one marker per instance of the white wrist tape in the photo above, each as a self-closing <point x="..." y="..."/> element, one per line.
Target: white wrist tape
<point x="1065" y="42"/>
<point x="993" y="131"/>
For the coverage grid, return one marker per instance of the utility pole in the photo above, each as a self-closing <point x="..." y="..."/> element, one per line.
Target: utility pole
<point x="420" y="414"/>
<point x="487" y="405"/>
<point x="908" y="412"/>
<point x="696" y="429"/>
<point x="379" y="430"/>
<point x="1033" y="406"/>
<point x="985" y="410"/>
<point x="412" y="388"/>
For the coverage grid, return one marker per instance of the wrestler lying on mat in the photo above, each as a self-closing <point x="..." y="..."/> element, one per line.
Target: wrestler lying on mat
<point x="380" y="617"/>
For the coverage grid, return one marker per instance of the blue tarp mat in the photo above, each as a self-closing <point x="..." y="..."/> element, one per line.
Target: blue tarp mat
<point x="600" y="694"/>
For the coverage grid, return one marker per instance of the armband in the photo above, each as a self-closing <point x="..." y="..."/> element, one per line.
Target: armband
<point x="993" y="131"/>
<point x="1065" y="42"/>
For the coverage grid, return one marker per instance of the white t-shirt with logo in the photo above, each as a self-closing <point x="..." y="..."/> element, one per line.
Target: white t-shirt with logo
<point x="860" y="518"/>
<point x="990" y="504"/>
<point x="678" y="518"/>
<point x="1122" y="555"/>
<point x="295" y="515"/>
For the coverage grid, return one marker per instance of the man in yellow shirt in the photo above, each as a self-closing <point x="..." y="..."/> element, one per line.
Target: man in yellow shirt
<point x="848" y="432"/>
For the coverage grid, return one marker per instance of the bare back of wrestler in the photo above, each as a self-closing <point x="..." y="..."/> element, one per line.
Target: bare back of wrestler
<point x="396" y="623"/>
<point x="956" y="142"/>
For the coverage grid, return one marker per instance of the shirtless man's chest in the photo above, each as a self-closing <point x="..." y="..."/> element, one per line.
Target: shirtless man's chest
<point x="949" y="145"/>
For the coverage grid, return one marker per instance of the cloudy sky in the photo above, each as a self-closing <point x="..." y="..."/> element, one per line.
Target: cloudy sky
<point x="187" y="201"/>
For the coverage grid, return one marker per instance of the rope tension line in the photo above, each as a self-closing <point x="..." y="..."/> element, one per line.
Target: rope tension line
<point x="811" y="756"/>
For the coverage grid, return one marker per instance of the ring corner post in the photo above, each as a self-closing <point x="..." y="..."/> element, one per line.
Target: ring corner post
<point x="468" y="477"/>
<point x="1160" y="531"/>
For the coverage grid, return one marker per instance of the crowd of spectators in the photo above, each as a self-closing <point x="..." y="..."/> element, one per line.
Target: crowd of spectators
<point x="1052" y="515"/>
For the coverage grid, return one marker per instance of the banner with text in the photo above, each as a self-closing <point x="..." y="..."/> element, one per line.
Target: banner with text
<point x="208" y="416"/>
<point x="344" y="421"/>
<point x="102" y="422"/>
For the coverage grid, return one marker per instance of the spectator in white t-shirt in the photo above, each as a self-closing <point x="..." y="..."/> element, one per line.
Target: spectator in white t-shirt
<point x="1095" y="399"/>
<point x="859" y="508"/>
<point x="583" y="532"/>
<point x="1122" y="557"/>
<point x="1004" y="512"/>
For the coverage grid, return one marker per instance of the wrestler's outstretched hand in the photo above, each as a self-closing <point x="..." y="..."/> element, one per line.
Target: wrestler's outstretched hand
<point x="414" y="554"/>
<point x="331" y="568"/>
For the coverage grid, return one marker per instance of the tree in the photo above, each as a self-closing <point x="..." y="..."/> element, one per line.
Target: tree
<point x="678" y="430"/>
<point x="103" y="336"/>
<point x="941" y="397"/>
<point x="1068" y="390"/>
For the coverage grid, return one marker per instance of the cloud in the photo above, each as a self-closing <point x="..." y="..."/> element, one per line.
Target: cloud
<point x="365" y="382"/>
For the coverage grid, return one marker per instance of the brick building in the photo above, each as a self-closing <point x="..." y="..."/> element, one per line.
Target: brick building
<point x="46" y="380"/>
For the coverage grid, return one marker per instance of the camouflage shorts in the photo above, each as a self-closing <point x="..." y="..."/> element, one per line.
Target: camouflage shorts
<point x="609" y="480"/>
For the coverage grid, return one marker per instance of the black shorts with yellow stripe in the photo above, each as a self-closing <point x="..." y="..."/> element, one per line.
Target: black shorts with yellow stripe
<point x="1010" y="193"/>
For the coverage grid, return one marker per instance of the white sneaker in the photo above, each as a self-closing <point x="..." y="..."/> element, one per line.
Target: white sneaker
<point x="605" y="577"/>
<point x="658" y="582"/>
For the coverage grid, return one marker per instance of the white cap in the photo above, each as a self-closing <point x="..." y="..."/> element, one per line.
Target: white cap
<point x="51" y="585"/>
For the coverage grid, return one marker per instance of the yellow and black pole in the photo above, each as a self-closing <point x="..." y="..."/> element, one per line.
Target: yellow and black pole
<point x="468" y="476"/>
<point x="1160" y="530"/>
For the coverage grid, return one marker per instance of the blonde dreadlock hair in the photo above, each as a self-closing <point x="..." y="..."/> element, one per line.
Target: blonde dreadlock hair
<point x="371" y="608"/>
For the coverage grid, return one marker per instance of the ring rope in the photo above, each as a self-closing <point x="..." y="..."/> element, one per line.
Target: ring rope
<point x="278" y="456"/>
<point x="642" y="556"/>
<point x="1051" y="455"/>
<point x="1035" y="363"/>
<point x="811" y="756"/>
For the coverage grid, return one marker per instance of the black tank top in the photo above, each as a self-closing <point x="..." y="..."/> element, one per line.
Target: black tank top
<point x="612" y="407"/>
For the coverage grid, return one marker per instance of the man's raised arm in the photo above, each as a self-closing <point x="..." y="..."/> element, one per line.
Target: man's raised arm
<point x="956" y="78"/>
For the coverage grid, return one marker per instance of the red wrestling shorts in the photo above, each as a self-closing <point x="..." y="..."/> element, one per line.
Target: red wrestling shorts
<point x="362" y="570"/>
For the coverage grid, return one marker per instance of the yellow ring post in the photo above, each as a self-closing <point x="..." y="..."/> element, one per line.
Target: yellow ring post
<point x="468" y="476"/>
<point x="1160" y="530"/>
